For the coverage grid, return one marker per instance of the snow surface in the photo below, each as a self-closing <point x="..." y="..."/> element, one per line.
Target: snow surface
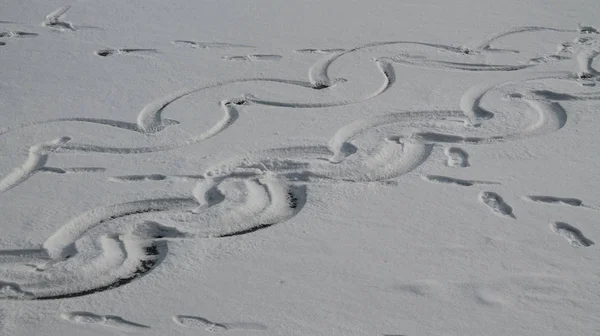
<point x="299" y="168"/>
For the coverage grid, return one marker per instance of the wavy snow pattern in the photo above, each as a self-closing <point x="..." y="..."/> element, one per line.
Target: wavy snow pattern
<point x="110" y="246"/>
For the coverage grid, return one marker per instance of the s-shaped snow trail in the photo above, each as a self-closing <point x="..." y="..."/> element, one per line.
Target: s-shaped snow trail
<point x="544" y="104"/>
<point x="334" y="160"/>
<point x="398" y="159"/>
<point x="239" y="198"/>
<point x="108" y="247"/>
<point x="150" y="119"/>
<point x="264" y="201"/>
<point x="319" y="73"/>
<point x="548" y="115"/>
<point x="486" y="45"/>
<point x="396" y="155"/>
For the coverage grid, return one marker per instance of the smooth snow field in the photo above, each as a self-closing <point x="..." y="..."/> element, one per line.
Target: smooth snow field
<point x="300" y="168"/>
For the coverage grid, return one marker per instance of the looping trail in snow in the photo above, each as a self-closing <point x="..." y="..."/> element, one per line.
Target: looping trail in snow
<point x="110" y="246"/>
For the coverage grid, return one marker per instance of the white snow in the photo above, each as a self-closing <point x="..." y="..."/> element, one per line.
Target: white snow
<point x="303" y="168"/>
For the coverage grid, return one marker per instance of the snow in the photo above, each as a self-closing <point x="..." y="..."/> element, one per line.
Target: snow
<point x="299" y="168"/>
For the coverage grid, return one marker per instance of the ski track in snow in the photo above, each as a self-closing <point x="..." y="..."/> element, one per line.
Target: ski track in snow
<point x="110" y="246"/>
